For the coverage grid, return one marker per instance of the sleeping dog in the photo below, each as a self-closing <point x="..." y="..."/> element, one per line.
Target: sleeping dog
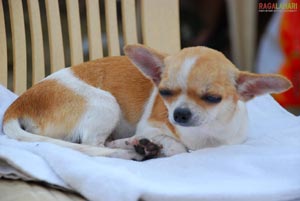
<point x="141" y="105"/>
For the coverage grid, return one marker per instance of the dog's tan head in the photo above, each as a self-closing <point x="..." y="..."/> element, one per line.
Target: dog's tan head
<point x="199" y="84"/>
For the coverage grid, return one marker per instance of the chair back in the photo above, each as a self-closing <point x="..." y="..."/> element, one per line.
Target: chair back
<point x="39" y="37"/>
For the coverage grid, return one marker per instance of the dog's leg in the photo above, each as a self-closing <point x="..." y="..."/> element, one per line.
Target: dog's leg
<point x="143" y="146"/>
<point x="169" y="146"/>
<point x="96" y="126"/>
<point x="150" y="145"/>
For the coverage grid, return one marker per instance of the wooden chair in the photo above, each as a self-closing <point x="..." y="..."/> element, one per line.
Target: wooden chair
<point x="27" y="58"/>
<point x="24" y="62"/>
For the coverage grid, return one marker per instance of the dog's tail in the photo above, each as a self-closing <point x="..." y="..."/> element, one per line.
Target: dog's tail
<point x="12" y="129"/>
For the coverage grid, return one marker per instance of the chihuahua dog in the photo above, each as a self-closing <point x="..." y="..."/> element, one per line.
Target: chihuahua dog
<point x="144" y="104"/>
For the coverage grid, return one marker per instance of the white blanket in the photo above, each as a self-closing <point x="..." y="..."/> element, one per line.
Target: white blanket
<point x="266" y="167"/>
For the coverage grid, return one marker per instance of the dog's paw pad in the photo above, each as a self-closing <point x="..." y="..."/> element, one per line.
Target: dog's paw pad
<point x="147" y="148"/>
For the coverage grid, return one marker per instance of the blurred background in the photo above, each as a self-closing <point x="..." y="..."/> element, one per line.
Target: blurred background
<point x="257" y="35"/>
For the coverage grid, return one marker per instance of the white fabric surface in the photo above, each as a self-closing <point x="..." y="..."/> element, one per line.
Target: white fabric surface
<point x="270" y="56"/>
<point x="266" y="167"/>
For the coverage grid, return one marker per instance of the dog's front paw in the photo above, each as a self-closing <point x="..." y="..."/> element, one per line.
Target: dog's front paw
<point x="147" y="148"/>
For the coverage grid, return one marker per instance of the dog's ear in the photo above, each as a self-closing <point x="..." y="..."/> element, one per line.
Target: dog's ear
<point x="250" y="85"/>
<point x="149" y="61"/>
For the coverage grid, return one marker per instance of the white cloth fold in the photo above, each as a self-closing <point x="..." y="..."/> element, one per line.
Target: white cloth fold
<point x="265" y="167"/>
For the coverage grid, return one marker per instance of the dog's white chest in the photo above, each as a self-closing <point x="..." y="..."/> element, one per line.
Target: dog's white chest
<point x="196" y="138"/>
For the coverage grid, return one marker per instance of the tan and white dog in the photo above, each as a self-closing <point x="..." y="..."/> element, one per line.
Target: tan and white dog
<point x="193" y="99"/>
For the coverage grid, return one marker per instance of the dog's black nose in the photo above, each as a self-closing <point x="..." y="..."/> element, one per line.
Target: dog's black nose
<point x="182" y="115"/>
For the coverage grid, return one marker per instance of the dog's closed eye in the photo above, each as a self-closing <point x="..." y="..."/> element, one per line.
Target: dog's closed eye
<point x="209" y="98"/>
<point x="165" y="92"/>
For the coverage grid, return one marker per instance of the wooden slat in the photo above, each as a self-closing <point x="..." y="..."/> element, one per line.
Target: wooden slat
<point x="57" y="59"/>
<point x="242" y="24"/>
<point x="129" y="21"/>
<point x="38" y="61"/>
<point x="160" y="24"/>
<point x="74" y="32"/>
<point x="3" y="49"/>
<point x="112" y="28"/>
<point x="94" y="29"/>
<point x="19" y="45"/>
<point x="19" y="190"/>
